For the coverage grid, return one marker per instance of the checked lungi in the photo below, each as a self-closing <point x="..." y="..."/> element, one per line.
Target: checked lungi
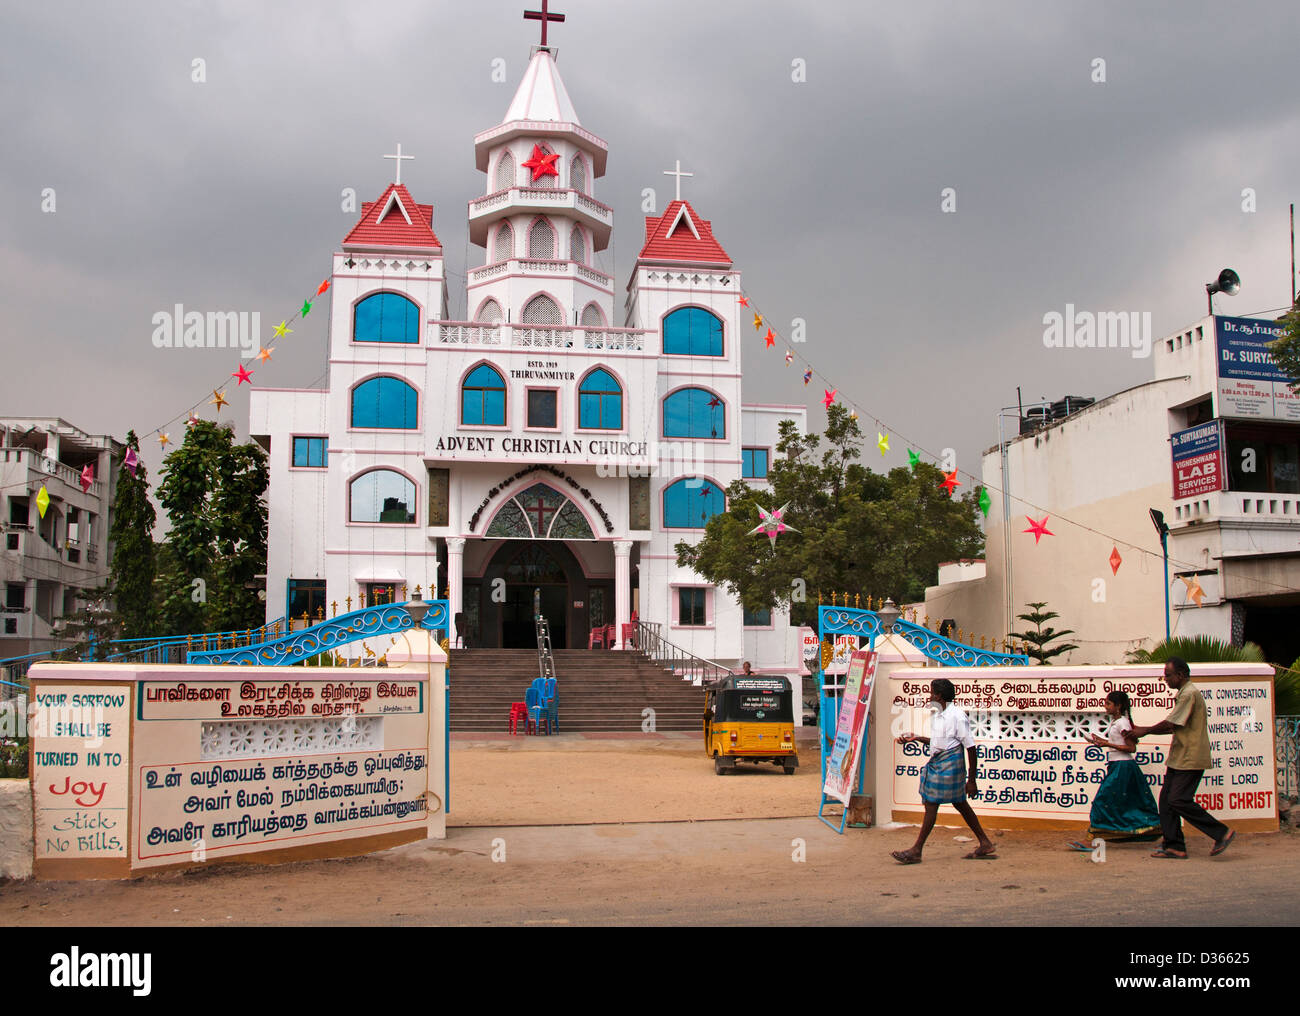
<point x="943" y="778"/>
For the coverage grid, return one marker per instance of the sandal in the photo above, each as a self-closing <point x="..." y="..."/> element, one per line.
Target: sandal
<point x="1180" y="855"/>
<point x="1224" y="843"/>
<point x="905" y="857"/>
<point x="982" y="855"/>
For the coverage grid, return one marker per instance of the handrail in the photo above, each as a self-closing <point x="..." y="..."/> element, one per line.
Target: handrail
<point x="545" y="657"/>
<point x="695" y="669"/>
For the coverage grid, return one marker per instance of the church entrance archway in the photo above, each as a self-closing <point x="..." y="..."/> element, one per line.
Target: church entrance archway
<point x="518" y="570"/>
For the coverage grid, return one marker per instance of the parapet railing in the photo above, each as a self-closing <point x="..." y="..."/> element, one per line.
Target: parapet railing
<point x="690" y="667"/>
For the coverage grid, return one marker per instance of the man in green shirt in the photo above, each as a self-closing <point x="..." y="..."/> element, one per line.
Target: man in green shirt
<point x="1189" y="757"/>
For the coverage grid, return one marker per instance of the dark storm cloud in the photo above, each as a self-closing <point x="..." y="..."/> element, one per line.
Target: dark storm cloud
<point x="226" y="195"/>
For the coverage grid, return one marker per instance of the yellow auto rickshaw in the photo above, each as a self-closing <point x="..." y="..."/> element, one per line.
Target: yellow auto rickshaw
<point x="748" y="718"/>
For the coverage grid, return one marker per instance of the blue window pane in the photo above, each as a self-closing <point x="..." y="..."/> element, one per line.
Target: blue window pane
<point x="690" y="503"/>
<point x="754" y="463"/>
<point x="687" y="413"/>
<point x="384" y="403"/>
<point x="758" y="618"/>
<point x="690" y="607"/>
<point x="382" y="496"/>
<point x="386" y="317"/>
<point x="483" y="398"/>
<point x="310" y="452"/>
<point x="600" y="402"/>
<point x="692" y="331"/>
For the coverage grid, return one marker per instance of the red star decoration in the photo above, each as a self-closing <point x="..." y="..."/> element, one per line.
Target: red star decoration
<point x="770" y="339"/>
<point x="715" y="402"/>
<point x="1039" y="529"/>
<point x="950" y="482"/>
<point x="829" y="397"/>
<point x="1115" y="560"/>
<point x="542" y="164"/>
<point x="322" y="287"/>
<point x="243" y="374"/>
<point x="744" y="302"/>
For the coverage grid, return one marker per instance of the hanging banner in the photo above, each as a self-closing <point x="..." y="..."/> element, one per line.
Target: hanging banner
<point x="1198" y="460"/>
<point x="842" y="766"/>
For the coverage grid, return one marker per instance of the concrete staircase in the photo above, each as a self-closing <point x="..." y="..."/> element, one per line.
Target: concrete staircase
<point x="598" y="691"/>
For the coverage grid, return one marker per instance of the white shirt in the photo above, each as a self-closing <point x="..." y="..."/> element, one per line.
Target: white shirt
<point x="1115" y="735"/>
<point x="949" y="729"/>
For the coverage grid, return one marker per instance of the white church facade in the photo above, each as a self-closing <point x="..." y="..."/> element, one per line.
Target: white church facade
<point x="560" y="441"/>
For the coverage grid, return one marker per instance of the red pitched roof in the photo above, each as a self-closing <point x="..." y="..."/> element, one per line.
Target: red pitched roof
<point x="393" y="230"/>
<point x="682" y="245"/>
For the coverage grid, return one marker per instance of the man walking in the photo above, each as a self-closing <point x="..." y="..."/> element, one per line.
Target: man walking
<point x="1189" y="757"/>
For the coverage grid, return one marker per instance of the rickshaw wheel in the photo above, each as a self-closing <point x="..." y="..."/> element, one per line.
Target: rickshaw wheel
<point x="789" y="769"/>
<point x="722" y="768"/>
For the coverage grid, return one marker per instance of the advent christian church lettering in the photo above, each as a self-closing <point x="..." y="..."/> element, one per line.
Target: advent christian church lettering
<point x="625" y="416"/>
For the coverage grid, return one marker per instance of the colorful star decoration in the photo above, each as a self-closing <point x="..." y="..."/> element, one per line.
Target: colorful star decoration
<point x="985" y="503"/>
<point x="950" y="482"/>
<point x="743" y="301"/>
<point x="882" y="442"/>
<point x="1194" y="590"/>
<point x="912" y="460"/>
<point x="789" y="358"/>
<point x="853" y="414"/>
<point x="163" y="439"/>
<point x="87" y="477"/>
<point x="542" y="164"/>
<point x="218" y="399"/>
<point x="306" y="308"/>
<point x="265" y="354"/>
<point x="42" y="500"/>
<point x="807" y="376"/>
<point x="281" y="330"/>
<point x="758" y="321"/>
<point x="1038" y="528"/>
<point x="772" y="524"/>
<point x="1115" y="560"/>
<point x="193" y="421"/>
<point x="829" y="397"/>
<point x="322" y="287"/>
<point x="132" y="461"/>
<point x="715" y="402"/>
<point x="770" y="338"/>
<point x="243" y="374"/>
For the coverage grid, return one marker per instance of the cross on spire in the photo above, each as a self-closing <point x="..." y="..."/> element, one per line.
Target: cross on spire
<point x="545" y="17"/>
<point x="679" y="174"/>
<point x="400" y="158"/>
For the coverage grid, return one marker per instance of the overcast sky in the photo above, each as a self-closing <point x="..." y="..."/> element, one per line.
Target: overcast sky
<point x="225" y="195"/>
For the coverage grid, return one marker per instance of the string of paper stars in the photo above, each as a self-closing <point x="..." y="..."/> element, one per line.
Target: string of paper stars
<point x="1037" y="527"/>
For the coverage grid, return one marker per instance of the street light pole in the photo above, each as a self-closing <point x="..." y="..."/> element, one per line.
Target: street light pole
<point x="1158" y="520"/>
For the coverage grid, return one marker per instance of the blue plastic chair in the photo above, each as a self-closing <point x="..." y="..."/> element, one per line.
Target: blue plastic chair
<point x="537" y="713"/>
<point x="552" y="706"/>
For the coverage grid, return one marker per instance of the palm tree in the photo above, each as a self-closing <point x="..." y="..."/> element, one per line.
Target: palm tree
<point x="1198" y="649"/>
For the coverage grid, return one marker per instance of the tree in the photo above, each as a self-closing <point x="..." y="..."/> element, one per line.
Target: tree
<point x="1036" y="641"/>
<point x="131" y="572"/>
<point x="90" y="626"/>
<point x="1198" y="649"/>
<point x="859" y="532"/>
<point x="1286" y="350"/>
<point x="214" y="494"/>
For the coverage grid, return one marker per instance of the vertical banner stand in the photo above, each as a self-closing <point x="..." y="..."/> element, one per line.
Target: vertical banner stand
<point x="832" y="697"/>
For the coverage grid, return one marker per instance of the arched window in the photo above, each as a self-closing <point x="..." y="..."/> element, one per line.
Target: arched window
<point x="692" y="331"/>
<point x="382" y="495"/>
<point x="483" y="398"/>
<point x="592" y="317"/>
<point x="600" y="402"/>
<point x="505" y="176"/>
<point x="694" y="412"/>
<point x="691" y="502"/>
<point x="577" y="246"/>
<point x="542" y="310"/>
<point x="385" y="403"/>
<point x="541" y="240"/>
<point x="578" y="174"/>
<point x="489" y="313"/>
<point x="386" y="317"/>
<point x="503" y="243"/>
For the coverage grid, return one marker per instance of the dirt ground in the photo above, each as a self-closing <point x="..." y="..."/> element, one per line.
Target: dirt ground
<point x="574" y="830"/>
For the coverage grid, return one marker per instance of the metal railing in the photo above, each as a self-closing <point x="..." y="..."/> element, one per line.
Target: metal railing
<point x="1286" y="740"/>
<point x="674" y="658"/>
<point x="545" y="658"/>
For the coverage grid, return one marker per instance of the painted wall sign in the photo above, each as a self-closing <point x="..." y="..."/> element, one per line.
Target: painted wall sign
<point x="1035" y="762"/>
<point x="1198" y="460"/>
<point x="1250" y="384"/>
<point x="80" y="765"/>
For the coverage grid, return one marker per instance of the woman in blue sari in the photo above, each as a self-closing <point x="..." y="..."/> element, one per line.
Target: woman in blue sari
<point x="1123" y="808"/>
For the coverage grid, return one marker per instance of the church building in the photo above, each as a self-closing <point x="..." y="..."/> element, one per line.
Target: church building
<point x="561" y="441"/>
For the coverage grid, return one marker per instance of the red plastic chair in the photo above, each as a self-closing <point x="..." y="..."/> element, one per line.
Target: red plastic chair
<point x="611" y="635"/>
<point x="596" y="640"/>
<point x="629" y="636"/>
<point x="518" y="711"/>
